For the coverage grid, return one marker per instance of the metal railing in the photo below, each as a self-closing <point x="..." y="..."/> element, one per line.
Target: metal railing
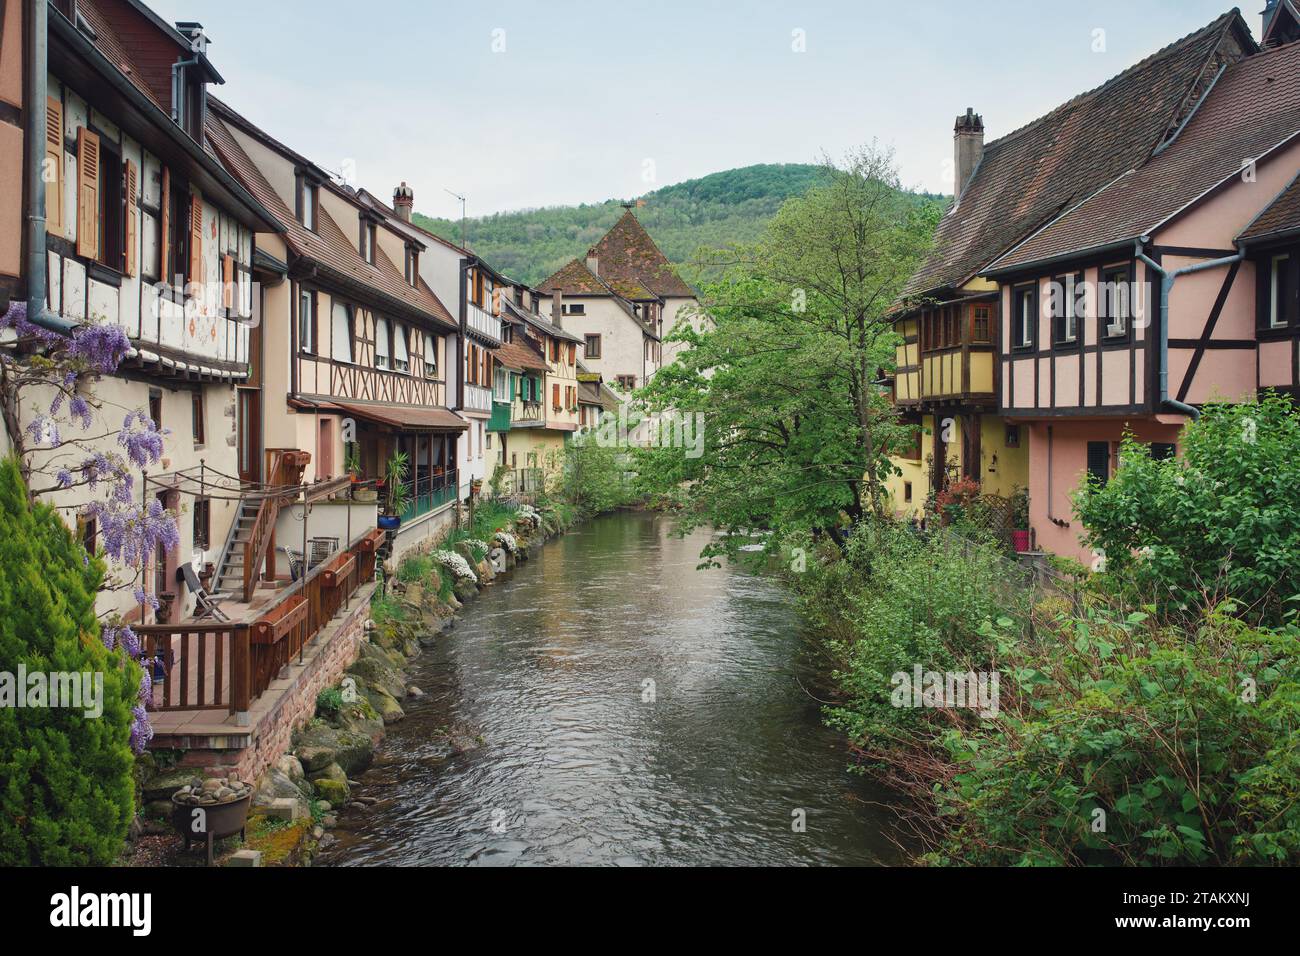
<point x="429" y="493"/>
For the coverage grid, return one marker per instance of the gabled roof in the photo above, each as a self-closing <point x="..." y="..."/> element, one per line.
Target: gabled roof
<point x="328" y="246"/>
<point x="1285" y="14"/>
<point x="1252" y="109"/>
<point x="628" y="262"/>
<point x="532" y="318"/>
<point x="1278" y="219"/>
<point x="1030" y="176"/>
<point x="520" y="357"/>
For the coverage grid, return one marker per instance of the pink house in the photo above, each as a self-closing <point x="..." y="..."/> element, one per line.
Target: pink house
<point x="1172" y="284"/>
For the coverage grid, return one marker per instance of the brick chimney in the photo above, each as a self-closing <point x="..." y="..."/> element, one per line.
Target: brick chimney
<point x="593" y="265"/>
<point x="403" y="202"/>
<point x="557" y="309"/>
<point x="967" y="148"/>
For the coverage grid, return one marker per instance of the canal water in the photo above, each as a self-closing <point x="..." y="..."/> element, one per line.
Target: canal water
<point x="607" y="703"/>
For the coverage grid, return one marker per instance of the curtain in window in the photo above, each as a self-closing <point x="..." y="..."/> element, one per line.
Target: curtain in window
<point x="341" y="333"/>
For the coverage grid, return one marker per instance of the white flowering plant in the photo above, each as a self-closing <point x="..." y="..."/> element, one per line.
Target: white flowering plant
<point x="456" y="564"/>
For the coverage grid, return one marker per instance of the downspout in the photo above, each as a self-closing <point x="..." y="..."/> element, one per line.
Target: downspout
<point x="1167" y="280"/>
<point x="38" y="92"/>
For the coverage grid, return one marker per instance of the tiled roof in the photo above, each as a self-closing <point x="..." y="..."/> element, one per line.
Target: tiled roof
<point x="550" y="328"/>
<point x="1281" y="217"/>
<point x="404" y="416"/>
<point x="110" y="43"/>
<point x="328" y="246"/>
<point x="574" y="278"/>
<point x="520" y="357"/>
<point x="1254" y="107"/>
<point x="628" y="261"/>
<point x="1028" y="177"/>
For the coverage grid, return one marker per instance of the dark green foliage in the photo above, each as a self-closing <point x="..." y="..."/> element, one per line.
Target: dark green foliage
<point x="66" y="787"/>
<point x="716" y="210"/>
<point x="1222" y="521"/>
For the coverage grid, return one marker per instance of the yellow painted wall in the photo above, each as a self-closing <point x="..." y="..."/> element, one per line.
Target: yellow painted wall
<point x="1002" y="470"/>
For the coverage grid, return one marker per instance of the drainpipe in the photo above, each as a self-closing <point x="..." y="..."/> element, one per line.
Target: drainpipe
<point x="1167" y="280"/>
<point x="34" y="147"/>
<point x="178" y="90"/>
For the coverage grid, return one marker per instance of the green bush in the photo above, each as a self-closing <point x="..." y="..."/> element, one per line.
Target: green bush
<point x="66" y="786"/>
<point x="329" y="702"/>
<point x="1121" y="741"/>
<point x="903" y="599"/>
<point x="1222" y="521"/>
<point x="414" y="568"/>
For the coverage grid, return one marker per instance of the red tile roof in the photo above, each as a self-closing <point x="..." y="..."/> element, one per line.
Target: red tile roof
<point x="520" y="357"/>
<point x="1280" y="218"/>
<point x="1030" y="176"/>
<point x="628" y="261"/>
<point x="1252" y="109"/>
<point x="328" y="246"/>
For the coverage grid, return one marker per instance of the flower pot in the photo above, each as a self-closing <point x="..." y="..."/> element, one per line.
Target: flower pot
<point x="218" y="821"/>
<point x="1020" y="541"/>
<point x="390" y="522"/>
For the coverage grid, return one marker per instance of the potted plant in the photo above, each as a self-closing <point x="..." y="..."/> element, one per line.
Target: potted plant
<point x="352" y="462"/>
<point x="1020" y="521"/>
<point x="395" y="498"/>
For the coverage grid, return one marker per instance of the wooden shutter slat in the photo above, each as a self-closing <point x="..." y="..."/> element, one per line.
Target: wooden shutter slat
<point x="132" y="215"/>
<point x="54" y="165"/>
<point x="87" y="194"/>
<point x="196" y="239"/>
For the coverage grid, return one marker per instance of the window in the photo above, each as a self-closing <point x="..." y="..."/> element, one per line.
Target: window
<point x="430" y="356"/>
<point x="1280" y="292"/>
<point x="1099" y="461"/>
<point x="367" y="244"/>
<point x="202" y="524"/>
<point x="112" y="226"/>
<point x="307" y="321"/>
<point x="981" y="326"/>
<point x="1013" y="436"/>
<point x="1114" y="301"/>
<point x="591" y="348"/>
<point x="381" y="343"/>
<point x="1163" y="450"/>
<point x="308" y="202"/>
<point x="155" y="408"/>
<point x="1066" y="301"/>
<point x="196" y="417"/>
<point x="178" y="208"/>
<point x="574" y="308"/>
<point x="401" y="359"/>
<point x="907" y="491"/>
<point x="412" y="266"/>
<point x="89" y="531"/>
<point x="573" y="354"/>
<point x="1024" y="315"/>
<point x="626" y="382"/>
<point x="555" y="396"/>
<point x="341" y="332"/>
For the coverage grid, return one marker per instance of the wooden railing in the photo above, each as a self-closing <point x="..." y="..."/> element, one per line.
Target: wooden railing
<point x="208" y="665"/>
<point x="284" y="468"/>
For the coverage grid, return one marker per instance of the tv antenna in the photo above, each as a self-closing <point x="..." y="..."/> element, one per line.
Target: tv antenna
<point x="463" y="241"/>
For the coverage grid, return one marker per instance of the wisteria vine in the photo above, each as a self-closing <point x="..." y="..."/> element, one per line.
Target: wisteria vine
<point x="130" y="530"/>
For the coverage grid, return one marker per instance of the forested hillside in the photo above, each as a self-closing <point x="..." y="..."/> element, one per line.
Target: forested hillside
<point x="713" y="211"/>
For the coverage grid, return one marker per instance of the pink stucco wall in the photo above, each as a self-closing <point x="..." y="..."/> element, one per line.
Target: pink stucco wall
<point x="1068" y="453"/>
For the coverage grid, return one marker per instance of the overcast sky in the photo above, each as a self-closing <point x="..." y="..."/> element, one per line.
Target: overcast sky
<point x="524" y="104"/>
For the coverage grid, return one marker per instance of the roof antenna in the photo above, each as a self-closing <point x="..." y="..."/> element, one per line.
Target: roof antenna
<point x="463" y="242"/>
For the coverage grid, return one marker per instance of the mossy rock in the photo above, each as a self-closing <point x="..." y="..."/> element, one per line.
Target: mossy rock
<point x="281" y="844"/>
<point x="385" y="704"/>
<point x="375" y="670"/>
<point x="335" y="791"/>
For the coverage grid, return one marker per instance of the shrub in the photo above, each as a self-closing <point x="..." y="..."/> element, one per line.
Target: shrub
<point x="1221" y="522"/>
<point x="414" y="568"/>
<point x="329" y="702"/>
<point x="1123" y="741"/>
<point x="66" y="787"/>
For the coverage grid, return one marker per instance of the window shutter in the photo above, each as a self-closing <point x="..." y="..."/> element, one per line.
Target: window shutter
<point x="1099" y="460"/>
<point x="228" y="281"/>
<point x="196" y="239"/>
<point x="573" y="354"/>
<point x="54" y="165"/>
<point x="165" y="233"/>
<point x="87" y="194"/>
<point x="132" y="212"/>
<point x="555" y="394"/>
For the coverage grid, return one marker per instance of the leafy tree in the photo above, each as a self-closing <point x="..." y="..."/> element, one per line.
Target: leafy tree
<point x="66" y="787"/>
<point x="594" y="478"/>
<point x="1222" y="521"/>
<point x="786" y="372"/>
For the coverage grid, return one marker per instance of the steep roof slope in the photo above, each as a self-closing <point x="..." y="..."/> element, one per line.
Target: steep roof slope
<point x="328" y="246"/>
<point x="1031" y="175"/>
<point x="628" y="261"/>
<point x="1253" y="108"/>
<point x="1280" y="218"/>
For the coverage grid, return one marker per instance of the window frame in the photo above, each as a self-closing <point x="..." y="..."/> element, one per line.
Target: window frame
<point x="1071" y="283"/>
<point x="198" y="419"/>
<point x="1274" y="274"/>
<point x="1105" y="288"/>
<point x="384" y="359"/>
<point x="1019" y="295"/>
<point x="588" y="340"/>
<point x="987" y="339"/>
<point x="308" y="337"/>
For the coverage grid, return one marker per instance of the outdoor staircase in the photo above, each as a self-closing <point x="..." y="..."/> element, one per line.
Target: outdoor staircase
<point x="230" y="568"/>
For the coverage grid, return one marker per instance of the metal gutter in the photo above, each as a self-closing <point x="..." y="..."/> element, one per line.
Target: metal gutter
<point x="1167" y="280"/>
